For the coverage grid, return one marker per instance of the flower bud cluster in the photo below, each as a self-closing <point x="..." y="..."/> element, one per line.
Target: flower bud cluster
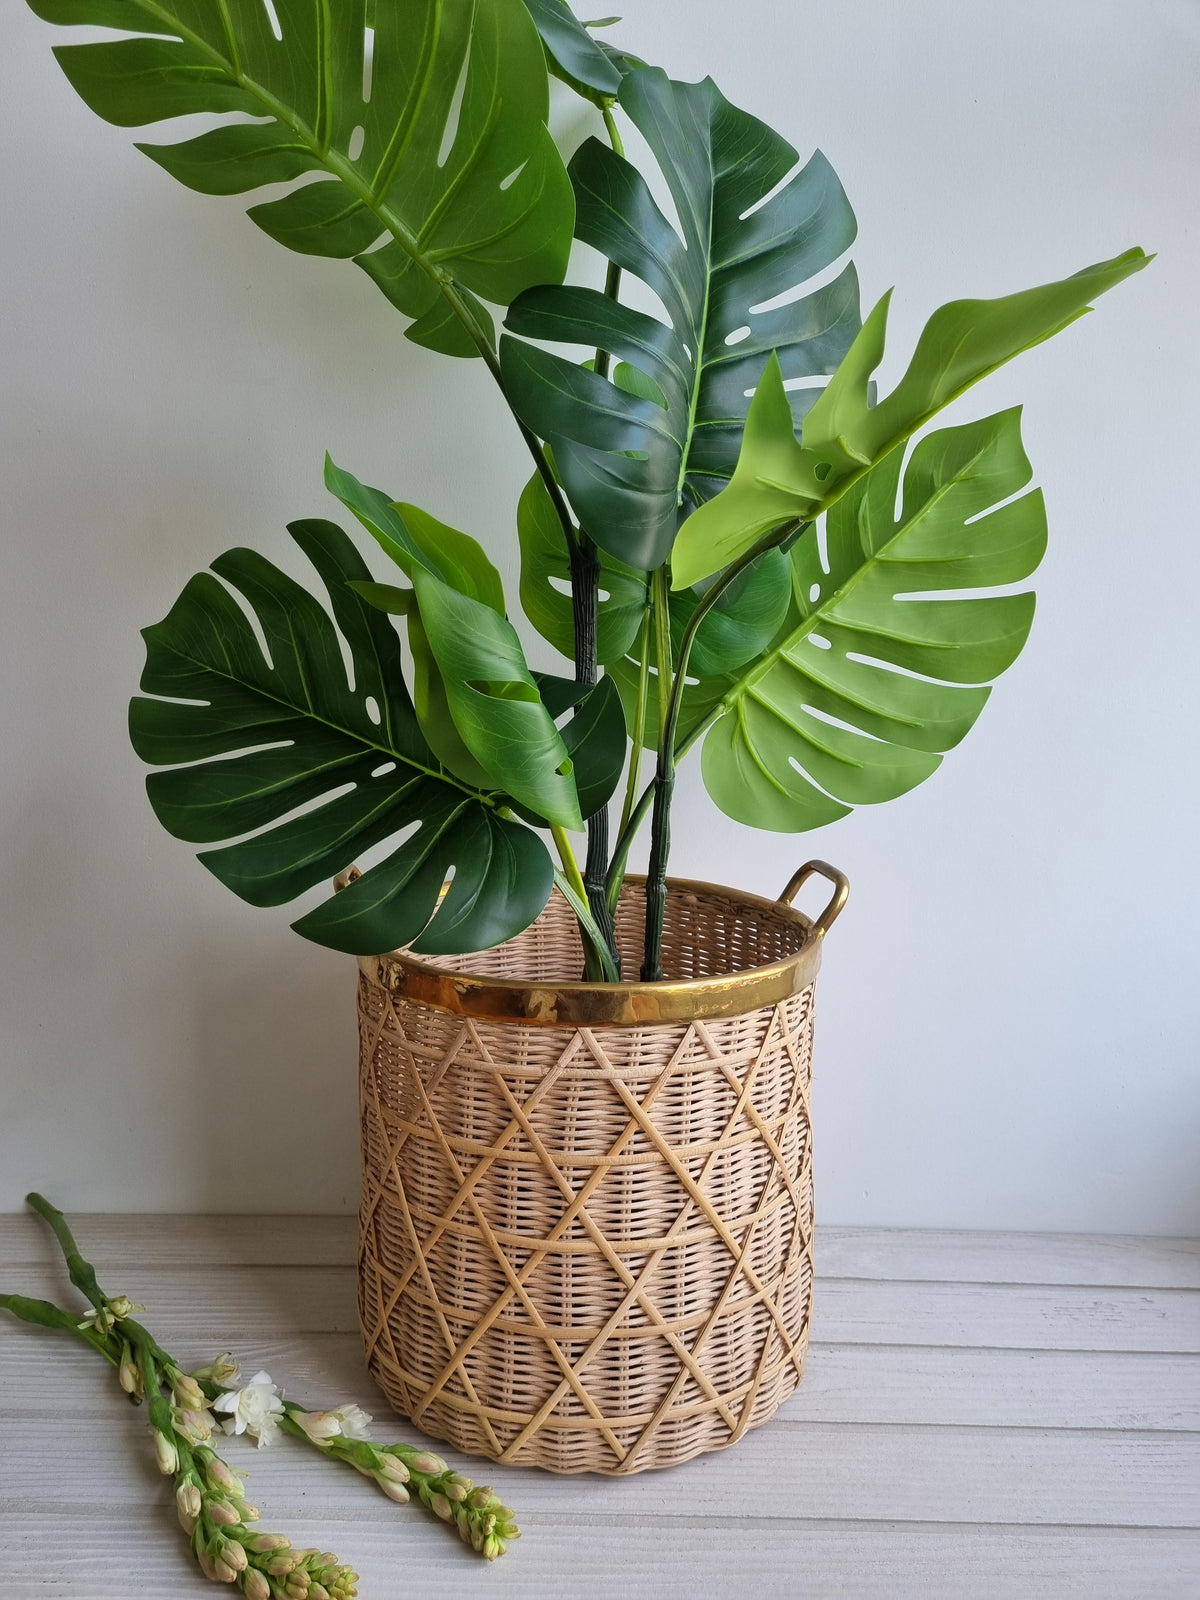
<point x="478" y="1515"/>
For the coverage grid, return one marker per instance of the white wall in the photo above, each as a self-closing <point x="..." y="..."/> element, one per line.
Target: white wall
<point x="1008" y="1008"/>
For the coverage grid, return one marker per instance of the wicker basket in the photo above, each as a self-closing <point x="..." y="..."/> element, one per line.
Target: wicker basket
<point x="586" y="1226"/>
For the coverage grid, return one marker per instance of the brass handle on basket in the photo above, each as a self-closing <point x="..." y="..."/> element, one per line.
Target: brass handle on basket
<point x="841" y="892"/>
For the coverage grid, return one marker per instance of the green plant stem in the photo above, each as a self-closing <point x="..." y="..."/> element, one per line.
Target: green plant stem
<point x="599" y="961"/>
<point x="585" y="599"/>
<point x="44" y="1314"/>
<point x="81" y="1273"/>
<point x="616" y="871"/>
<point x="664" y="781"/>
<point x="668" y="758"/>
<point x="639" y="728"/>
<point x="610" y="123"/>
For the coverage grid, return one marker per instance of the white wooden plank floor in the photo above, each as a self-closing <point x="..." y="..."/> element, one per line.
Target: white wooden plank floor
<point x="983" y="1416"/>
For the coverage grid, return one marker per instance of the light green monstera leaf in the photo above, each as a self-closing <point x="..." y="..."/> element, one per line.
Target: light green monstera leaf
<point x="781" y="479"/>
<point x="883" y="663"/>
<point x="426" y="122"/>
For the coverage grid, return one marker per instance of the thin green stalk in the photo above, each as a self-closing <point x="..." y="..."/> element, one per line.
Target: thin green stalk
<point x="660" y="601"/>
<point x="81" y="1273"/>
<point x="599" y="961"/>
<point x="664" y="778"/>
<point x="610" y="122"/>
<point x="629" y="832"/>
<point x="44" y="1314"/>
<point x="639" y="728"/>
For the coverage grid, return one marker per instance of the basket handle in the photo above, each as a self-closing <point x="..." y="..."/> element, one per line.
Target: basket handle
<point x="841" y="892"/>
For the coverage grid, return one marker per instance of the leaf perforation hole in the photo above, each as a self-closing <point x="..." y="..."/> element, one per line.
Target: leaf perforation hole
<point x="354" y="149"/>
<point x="883" y="665"/>
<point x="273" y="19"/>
<point x="810" y="286"/>
<point x="821" y="643"/>
<point x="252" y="619"/>
<point x="839" y="722"/>
<point x="454" y="113"/>
<point x="738" y="334"/>
<point x="821" y="788"/>
<point x="562" y="585"/>
<point x="814" y="593"/>
<point x="383" y="769"/>
<point x="821" y="532"/>
<point x="368" y="63"/>
<point x="373" y="710"/>
<point x="507" y="183"/>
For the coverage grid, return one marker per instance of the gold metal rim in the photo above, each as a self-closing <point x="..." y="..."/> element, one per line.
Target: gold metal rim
<point x="623" y="1005"/>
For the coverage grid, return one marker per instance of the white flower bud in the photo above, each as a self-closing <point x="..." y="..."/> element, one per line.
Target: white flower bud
<point x="392" y="1467"/>
<point x="128" y="1375"/>
<point x="206" y="1566"/>
<point x="189" y="1396"/>
<point x="263" y="1543"/>
<point x="233" y="1555"/>
<point x="187" y="1498"/>
<point x="256" y="1586"/>
<point x="493" y="1547"/>
<point x="194" y="1426"/>
<point x="224" y="1477"/>
<point x="224" y="1513"/>
<point x="165" y="1454"/>
<point x="440" y="1507"/>
<point x="394" y="1490"/>
<point x="426" y="1462"/>
<point x="223" y="1572"/>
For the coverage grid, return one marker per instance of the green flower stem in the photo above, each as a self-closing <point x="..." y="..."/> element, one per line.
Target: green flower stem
<point x="403" y="1470"/>
<point x="81" y="1272"/>
<point x="210" y="1497"/>
<point x="44" y="1314"/>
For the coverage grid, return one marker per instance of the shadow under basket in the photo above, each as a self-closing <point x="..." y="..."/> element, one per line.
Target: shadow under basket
<point x="586" y="1230"/>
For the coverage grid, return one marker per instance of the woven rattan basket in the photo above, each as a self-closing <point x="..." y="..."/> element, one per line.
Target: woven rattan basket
<point x="587" y="1213"/>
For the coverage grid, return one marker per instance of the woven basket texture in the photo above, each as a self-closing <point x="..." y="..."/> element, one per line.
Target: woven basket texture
<point x="590" y="1250"/>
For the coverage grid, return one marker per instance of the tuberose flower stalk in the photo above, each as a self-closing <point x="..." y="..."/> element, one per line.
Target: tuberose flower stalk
<point x="185" y="1410"/>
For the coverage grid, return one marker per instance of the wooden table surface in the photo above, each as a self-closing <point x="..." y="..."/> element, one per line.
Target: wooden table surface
<point x="983" y="1416"/>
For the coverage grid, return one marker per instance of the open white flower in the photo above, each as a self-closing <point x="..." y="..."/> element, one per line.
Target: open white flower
<point x="343" y="1422"/>
<point x="252" y="1409"/>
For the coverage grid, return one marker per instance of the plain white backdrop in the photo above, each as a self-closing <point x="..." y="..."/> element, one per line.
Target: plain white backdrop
<point x="1007" y="1030"/>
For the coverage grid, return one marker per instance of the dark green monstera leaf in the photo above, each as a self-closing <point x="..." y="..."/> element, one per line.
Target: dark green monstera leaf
<point x="317" y="769"/>
<point x="634" y="457"/>
<point x="425" y="122"/>
<point x="572" y="53"/>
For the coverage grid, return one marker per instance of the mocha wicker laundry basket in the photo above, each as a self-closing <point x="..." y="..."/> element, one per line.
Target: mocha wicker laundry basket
<point x="586" y="1226"/>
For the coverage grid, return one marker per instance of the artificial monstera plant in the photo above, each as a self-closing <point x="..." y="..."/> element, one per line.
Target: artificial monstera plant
<point x="759" y="559"/>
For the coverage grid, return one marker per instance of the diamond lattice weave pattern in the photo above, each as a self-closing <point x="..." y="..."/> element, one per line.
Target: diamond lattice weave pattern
<point x="589" y="1249"/>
